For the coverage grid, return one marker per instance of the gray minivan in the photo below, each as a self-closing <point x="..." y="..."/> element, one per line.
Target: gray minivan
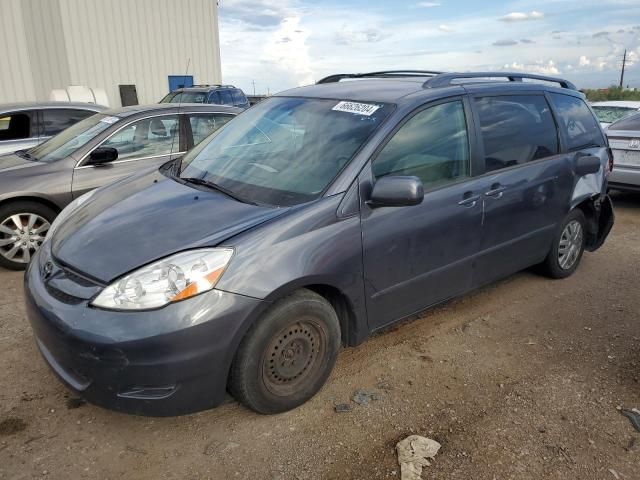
<point x="315" y="218"/>
<point x="36" y="183"/>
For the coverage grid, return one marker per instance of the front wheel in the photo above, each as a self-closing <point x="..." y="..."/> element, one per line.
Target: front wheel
<point x="568" y="246"/>
<point x="287" y="356"/>
<point x="23" y="227"/>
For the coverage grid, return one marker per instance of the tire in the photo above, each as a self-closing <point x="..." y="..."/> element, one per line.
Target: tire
<point x="17" y="245"/>
<point x="568" y="246"/>
<point x="287" y="355"/>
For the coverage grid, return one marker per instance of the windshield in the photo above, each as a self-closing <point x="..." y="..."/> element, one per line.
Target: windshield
<point x="611" y="114"/>
<point x="284" y="151"/>
<point x="185" y="97"/>
<point x="71" y="139"/>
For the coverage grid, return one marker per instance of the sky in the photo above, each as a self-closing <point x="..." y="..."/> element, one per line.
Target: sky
<point x="281" y="44"/>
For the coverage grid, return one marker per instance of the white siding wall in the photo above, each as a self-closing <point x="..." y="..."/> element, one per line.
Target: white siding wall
<point x="16" y="78"/>
<point x="105" y="43"/>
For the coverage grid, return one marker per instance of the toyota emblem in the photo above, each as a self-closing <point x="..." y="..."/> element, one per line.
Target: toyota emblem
<point x="47" y="269"/>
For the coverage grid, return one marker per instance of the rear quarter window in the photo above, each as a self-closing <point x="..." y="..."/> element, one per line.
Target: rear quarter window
<point x="580" y="126"/>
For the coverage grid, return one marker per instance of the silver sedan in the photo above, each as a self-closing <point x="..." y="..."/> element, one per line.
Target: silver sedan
<point x="624" y="139"/>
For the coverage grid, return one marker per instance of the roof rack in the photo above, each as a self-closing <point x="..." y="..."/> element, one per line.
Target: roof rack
<point x="216" y="85"/>
<point x="382" y="74"/>
<point x="446" y="79"/>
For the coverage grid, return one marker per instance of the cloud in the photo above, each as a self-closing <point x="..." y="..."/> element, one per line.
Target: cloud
<point x="445" y="28"/>
<point x="347" y="36"/>
<point x="428" y="4"/>
<point x="584" y="61"/>
<point x="291" y="58"/>
<point x="600" y="34"/>
<point x="544" y="68"/>
<point x="504" y="43"/>
<point x="526" y="40"/>
<point x="521" y="16"/>
<point x="258" y="13"/>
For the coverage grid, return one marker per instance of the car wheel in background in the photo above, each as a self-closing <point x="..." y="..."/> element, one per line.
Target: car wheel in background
<point x="568" y="247"/>
<point x="23" y="227"/>
<point x="287" y="356"/>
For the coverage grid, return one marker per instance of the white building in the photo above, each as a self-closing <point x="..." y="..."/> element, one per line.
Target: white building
<point x="52" y="44"/>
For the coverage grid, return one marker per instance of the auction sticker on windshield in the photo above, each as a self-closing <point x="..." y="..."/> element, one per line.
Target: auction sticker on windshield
<point x="355" y="107"/>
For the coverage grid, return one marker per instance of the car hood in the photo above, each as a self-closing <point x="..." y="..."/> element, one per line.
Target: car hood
<point x="144" y="218"/>
<point x="11" y="161"/>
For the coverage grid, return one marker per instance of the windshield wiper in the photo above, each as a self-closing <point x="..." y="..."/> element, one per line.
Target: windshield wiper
<point x="25" y="154"/>
<point x="215" y="186"/>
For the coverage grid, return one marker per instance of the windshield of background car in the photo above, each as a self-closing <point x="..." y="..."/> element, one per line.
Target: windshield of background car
<point x="611" y="114"/>
<point x="285" y="151"/>
<point x="73" y="138"/>
<point x="185" y="97"/>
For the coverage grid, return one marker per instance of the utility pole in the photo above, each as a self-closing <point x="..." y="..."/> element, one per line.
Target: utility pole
<point x="624" y="60"/>
<point x="254" y="86"/>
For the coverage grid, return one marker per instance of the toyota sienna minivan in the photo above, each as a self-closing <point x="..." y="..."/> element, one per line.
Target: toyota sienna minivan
<point x="319" y="216"/>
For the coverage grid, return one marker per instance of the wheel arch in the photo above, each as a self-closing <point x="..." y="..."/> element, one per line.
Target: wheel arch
<point x="31" y="198"/>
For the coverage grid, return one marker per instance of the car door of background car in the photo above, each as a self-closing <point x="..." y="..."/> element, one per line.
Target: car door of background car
<point x="18" y="131"/>
<point x="529" y="182"/>
<point x="143" y="143"/>
<point x="420" y="255"/>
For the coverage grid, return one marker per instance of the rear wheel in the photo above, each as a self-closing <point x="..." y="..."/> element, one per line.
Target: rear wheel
<point x="23" y="227"/>
<point x="568" y="246"/>
<point x="287" y="355"/>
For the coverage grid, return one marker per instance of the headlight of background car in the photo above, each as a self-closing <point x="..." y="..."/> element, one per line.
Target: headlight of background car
<point x="67" y="211"/>
<point x="174" y="278"/>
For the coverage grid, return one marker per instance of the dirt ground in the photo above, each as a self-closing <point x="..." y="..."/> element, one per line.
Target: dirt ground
<point x="521" y="380"/>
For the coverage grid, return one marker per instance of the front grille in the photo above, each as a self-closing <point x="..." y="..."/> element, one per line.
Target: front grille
<point x="62" y="296"/>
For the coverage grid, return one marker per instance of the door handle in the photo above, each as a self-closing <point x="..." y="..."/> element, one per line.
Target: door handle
<point x="469" y="201"/>
<point x="496" y="190"/>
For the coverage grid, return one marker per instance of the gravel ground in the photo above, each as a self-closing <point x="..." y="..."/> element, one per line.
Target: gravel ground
<point x="520" y="380"/>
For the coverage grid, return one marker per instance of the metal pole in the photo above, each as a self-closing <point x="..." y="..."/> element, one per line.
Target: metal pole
<point x="624" y="60"/>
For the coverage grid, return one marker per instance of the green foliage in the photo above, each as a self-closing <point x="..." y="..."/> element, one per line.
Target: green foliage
<point x="612" y="93"/>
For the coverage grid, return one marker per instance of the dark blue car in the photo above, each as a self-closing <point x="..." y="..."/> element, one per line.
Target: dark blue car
<point x="319" y="216"/>
<point x="217" y="94"/>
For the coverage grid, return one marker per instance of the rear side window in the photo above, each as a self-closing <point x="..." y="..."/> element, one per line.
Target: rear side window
<point x="225" y="95"/>
<point x="581" y="127"/>
<point x="516" y="129"/>
<point x="433" y="145"/>
<point x="238" y="97"/>
<point x="214" y="97"/>
<point x="55" y="120"/>
<point x="15" y="126"/>
<point x="204" y="124"/>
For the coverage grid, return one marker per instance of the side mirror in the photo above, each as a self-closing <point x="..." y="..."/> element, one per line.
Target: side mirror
<point x="102" y="155"/>
<point x="587" y="164"/>
<point x="396" y="192"/>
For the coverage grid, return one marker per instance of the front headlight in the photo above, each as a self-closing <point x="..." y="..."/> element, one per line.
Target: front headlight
<point x="174" y="278"/>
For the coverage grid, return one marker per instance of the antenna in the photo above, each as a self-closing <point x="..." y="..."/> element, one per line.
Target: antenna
<point x="184" y="81"/>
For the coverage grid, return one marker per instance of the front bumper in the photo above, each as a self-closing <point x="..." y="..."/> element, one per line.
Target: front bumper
<point x="169" y="361"/>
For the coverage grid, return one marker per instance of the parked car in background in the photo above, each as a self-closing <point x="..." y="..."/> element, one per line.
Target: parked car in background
<point x="624" y="139"/>
<point x="25" y="125"/>
<point x="36" y="184"/>
<point x="320" y="215"/>
<point x="216" y="94"/>
<point x="611" y="111"/>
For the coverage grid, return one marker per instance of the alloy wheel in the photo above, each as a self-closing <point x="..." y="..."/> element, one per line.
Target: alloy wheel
<point x="21" y="234"/>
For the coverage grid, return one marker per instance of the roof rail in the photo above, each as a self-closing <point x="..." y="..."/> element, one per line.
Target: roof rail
<point x="446" y="79"/>
<point x="382" y="74"/>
